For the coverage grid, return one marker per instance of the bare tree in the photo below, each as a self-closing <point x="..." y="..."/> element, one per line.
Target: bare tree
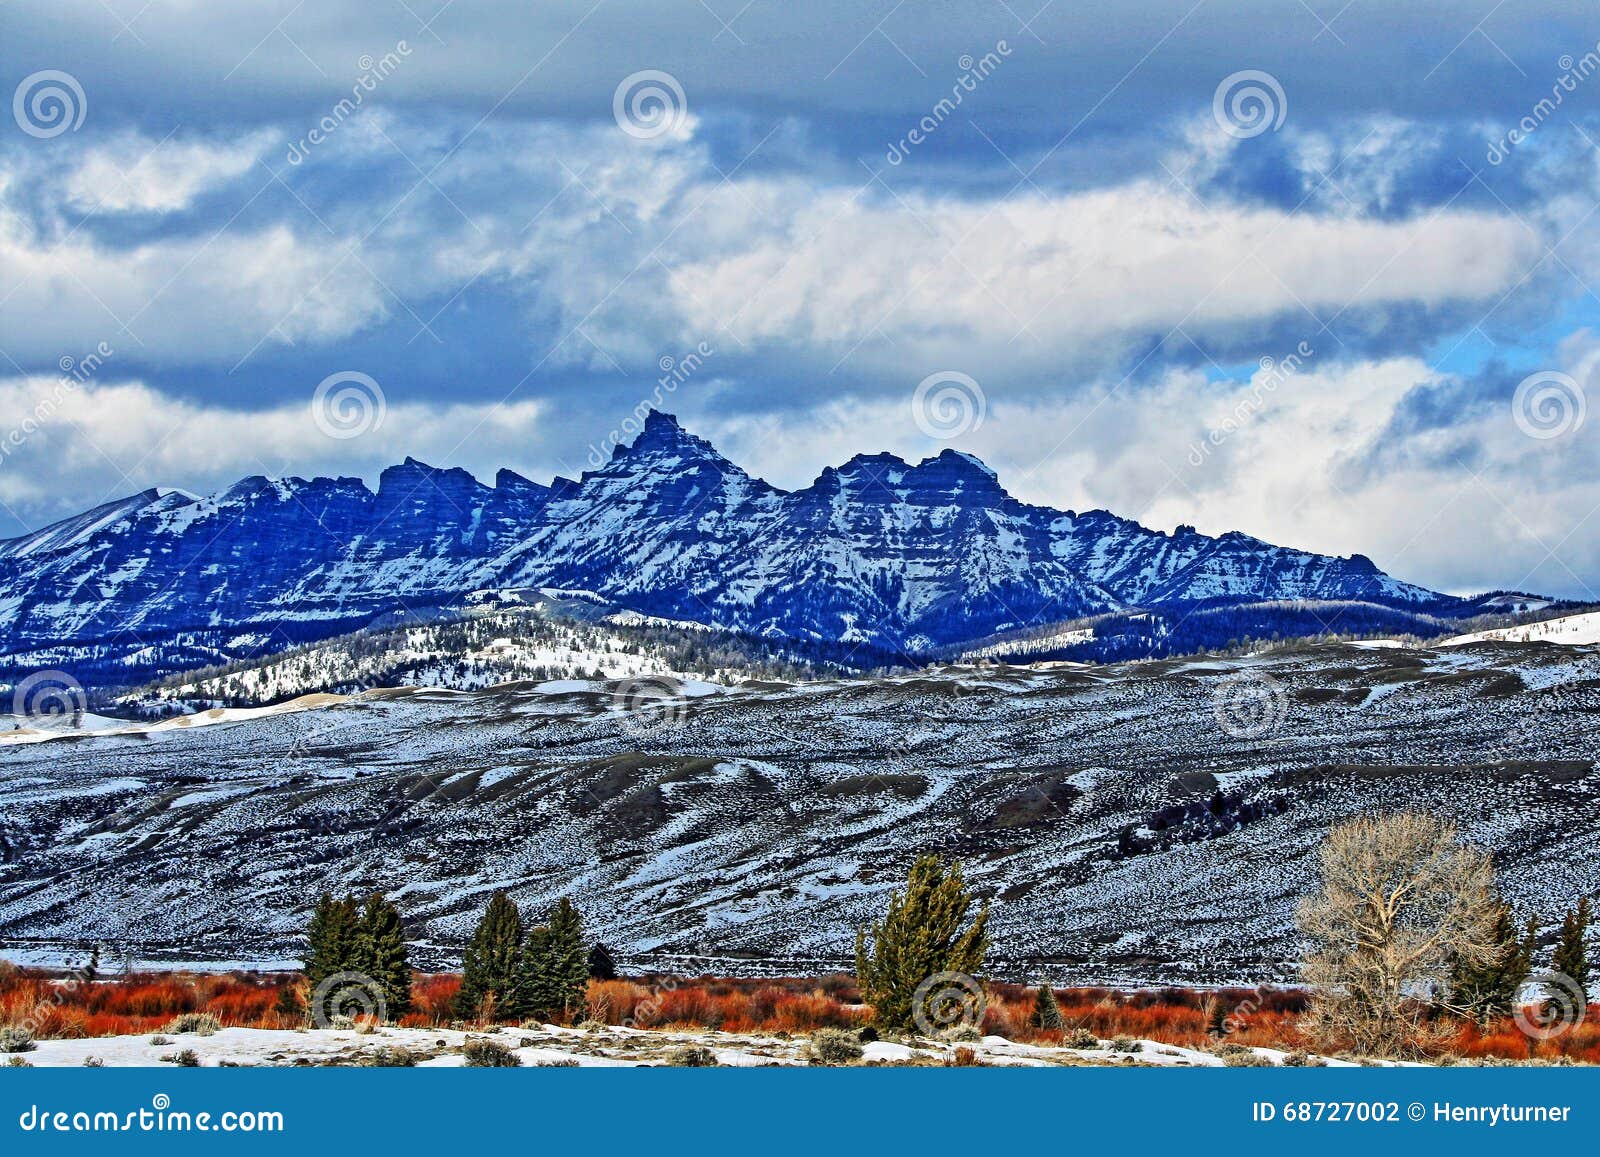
<point x="1403" y="900"/>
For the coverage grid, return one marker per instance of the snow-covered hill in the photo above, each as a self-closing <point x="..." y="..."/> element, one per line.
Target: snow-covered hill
<point x="538" y="639"/>
<point x="1150" y="821"/>
<point x="878" y="554"/>
<point x="1572" y="630"/>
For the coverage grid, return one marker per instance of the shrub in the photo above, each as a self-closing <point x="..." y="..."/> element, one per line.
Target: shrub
<point x="94" y="1063"/>
<point x="563" y="1063"/>
<point x="16" y="1039"/>
<point x="1080" y="1038"/>
<point x="159" y="1040"/>
<point x="692" y="1057"/>
<point x="1302" y="1060"/>
<point x="1247" y="1060"/>
<point x="18" y="1063"/>
<point x="199" y="1023"/>
<point x="833" y="1046"/>
<point x="962" y="1034"/>
<point x="1126" y="1044"/>
<point x="185" y="1059"/>
<point x="482" y="1053"/>
<point x="964" y="1058"/>
<point x="390" y="1058"/>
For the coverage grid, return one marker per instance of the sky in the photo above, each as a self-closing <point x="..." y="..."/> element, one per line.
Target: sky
<point x="1319" y="271"/>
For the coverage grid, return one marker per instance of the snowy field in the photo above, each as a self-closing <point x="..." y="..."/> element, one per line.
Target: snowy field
<point x="551" y="1045"/>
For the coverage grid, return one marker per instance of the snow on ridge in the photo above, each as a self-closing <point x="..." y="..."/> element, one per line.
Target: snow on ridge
<point x="1569" y="630"/>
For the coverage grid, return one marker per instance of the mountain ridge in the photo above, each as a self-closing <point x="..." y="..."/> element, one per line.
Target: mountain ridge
<point x="876" y="552"/>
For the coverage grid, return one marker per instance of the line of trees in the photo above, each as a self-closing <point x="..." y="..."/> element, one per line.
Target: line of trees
<point x="357" y="963"/>
<point x="1407" y="932"/>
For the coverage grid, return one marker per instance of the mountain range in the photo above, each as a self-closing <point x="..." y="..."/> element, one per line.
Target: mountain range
<point x="880" y="554"/>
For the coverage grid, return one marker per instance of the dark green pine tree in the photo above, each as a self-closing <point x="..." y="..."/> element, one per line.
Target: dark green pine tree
<point x="535" y="995"/>
<point x="1216" y="1017"/>
<point x="1572" y="949"/>
<point x="919" y="937"/>
<point x="1046" y="1012"/>
<point x="1487" y="990"/>
<point x="383" y="955"/>
<point x="489" y="965"/>
<point x="553" y="980"/>
<point x="333" y="939"/>
<point x="568" y="966"/>
<point x="602" y="965"/>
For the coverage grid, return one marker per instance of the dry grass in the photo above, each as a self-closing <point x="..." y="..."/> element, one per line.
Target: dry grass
<point x="145" y="1003"/>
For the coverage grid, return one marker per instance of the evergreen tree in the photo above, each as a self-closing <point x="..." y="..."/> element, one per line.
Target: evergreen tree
<point x="1572" y="950"/>
<point x="535" y="993"/>
<point x="1046" y="1012"/>
<point x="919" y="937"/>
<point x="568" y="967"/>
<point x="383" y="956"/>
<point x="489" y="965"/>
<point x="553" y="975"/>
<point x="602" y="965"/>
<point x="289" y="1004"/>
<point x="333" y="937"/>
<point x="1489" y="989"/>
<point x="1216" y="1017"/>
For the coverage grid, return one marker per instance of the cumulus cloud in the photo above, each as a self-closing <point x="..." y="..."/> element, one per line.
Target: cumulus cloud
<point x="1064" y="271"/>
<point x="133" y="173"/>
<point x="184" y="298"/>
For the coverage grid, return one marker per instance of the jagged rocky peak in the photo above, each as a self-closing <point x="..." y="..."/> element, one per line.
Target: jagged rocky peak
<point x="663" y="436"/>
<point x="952" y="478"/>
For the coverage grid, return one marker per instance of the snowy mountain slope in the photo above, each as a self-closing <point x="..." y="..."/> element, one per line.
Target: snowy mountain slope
<point x="1121" y="833"/>
<point x="877" y="552"/>
<point x="1571" y="630"/>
